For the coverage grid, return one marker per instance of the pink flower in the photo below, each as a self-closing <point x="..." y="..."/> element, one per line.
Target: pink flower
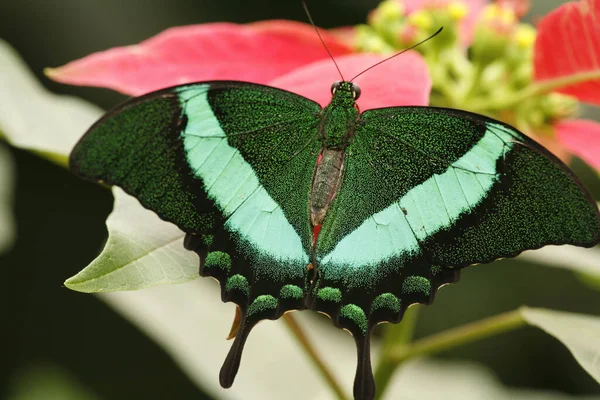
<point x="285" y="54"/>
<point x="568" y="45"/>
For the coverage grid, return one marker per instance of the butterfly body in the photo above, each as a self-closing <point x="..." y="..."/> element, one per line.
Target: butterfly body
<point x="327" y="179"/>
<point x="386" y="205"/>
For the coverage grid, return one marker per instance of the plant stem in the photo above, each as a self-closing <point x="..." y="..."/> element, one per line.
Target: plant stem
<point x="473" y="84"/>
<point x="395" y="335"/>
<point x="551" y="85"/>
<point x="457" y="336"/>
<point x="537" y="89"/>
<point x="316" y="359"/>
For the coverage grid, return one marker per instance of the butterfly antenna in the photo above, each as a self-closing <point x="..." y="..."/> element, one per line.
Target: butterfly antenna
<point x="322" y="41"/>
<point x="397" y="54"/>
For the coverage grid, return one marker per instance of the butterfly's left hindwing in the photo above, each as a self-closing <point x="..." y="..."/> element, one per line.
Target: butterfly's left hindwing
<point x="231" y="164"/>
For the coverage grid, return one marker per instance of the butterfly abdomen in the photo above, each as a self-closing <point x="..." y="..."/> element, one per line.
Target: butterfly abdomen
<point x="326" y="182"/>
<point x="337" y="127"/>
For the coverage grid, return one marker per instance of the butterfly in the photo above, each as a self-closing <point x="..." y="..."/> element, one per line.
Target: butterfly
<point x="293" y="206"/>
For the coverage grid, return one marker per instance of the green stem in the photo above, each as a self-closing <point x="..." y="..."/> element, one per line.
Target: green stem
<point x="316" y="359"/>
<point x="395" y="335"/>
<point x="458" y="336"/>
<point x="537" y="89"/>
<point x="473" y="83"/>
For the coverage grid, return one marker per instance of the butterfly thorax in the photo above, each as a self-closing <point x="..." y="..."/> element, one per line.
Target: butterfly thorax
<point x="338" y="119"/>
<point x="336" y="129"/>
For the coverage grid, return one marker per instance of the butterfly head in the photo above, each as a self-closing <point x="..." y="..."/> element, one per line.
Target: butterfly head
<point x="345" y="90"/>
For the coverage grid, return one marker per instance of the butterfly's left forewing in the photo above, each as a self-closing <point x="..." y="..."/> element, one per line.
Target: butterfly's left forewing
<point x="426" y="190"/>
<point x="230" y="163"/>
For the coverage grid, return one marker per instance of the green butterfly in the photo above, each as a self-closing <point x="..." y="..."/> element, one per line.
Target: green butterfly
<point x="357" y="215"/>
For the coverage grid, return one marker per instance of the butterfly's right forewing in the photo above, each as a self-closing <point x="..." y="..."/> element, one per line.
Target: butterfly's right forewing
<point x="231" y="164"/>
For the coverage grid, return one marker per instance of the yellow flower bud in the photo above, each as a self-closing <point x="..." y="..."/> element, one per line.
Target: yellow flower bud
<point x="504" y="15"/>
<point x="491" y="11"/>
<point x="390" y="10"/>
<point x="507" y="16"/>
<point x="525" y="36"/>
<point x="458" y="10"/>
<point x="421" y="19"/>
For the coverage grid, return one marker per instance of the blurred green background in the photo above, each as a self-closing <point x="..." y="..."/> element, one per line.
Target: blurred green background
<point x="61" y="228"/>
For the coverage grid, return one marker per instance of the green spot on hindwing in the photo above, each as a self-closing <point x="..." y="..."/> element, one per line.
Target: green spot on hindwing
<point x="238" y="282"/>
<point x="436" y="269"/>
<point x="416" y="284"/>
<point x="356" y="315"/>
<point x="207" y="240"/>
<point x="330" y="294"/>
<point x="291" y="292"/>
<point x="218" y="259"/>
<point x="262" y="303"/>
<point x="387" y="301"/>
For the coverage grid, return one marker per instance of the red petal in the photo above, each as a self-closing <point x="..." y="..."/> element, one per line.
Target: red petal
<point x="398" y="82"/>
<point x="568" y="43"/>
<point x="257" y="52"/>
<point x="346" y="34"/>
<point x="303" y="33"/>
<point x="582" y="138"/>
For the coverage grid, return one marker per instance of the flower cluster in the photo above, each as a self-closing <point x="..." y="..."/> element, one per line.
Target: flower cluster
<point x="485" y="60"/>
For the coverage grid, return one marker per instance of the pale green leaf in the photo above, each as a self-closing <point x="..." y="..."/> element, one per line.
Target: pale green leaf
<point x="33" y="118"/>
<point x="579" y="333"/>
<point x="141" y="251"/>
<point x="576" y="259"/>
<point x="428" y="380"/>
<point x="7" y="223"/>
<point x="47" y="381"/>
<point x="592" y="281"/>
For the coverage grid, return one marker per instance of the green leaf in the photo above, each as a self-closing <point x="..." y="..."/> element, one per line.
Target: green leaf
<point x="592" y="281"/>
<point x="141" y="251"/>
<point x="47" y="381"/>
<point x="33" y="118"/>
<point x="579" y="333"/>
<point x="7" y="223"/>
<point x="430" y="380"/>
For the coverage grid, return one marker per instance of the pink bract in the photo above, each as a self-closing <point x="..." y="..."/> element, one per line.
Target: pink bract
<point x="285" y="54"/>
<point x="399" y="82"/>
<point x="256" y="52"/>
<point x="582" y="138"/>
<point x="568" y="43"/>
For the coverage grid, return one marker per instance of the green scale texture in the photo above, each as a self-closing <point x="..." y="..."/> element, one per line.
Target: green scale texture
<point x="424" y="192"/>
<point x="276" y="133"/>
<point x="145" y="159"/>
